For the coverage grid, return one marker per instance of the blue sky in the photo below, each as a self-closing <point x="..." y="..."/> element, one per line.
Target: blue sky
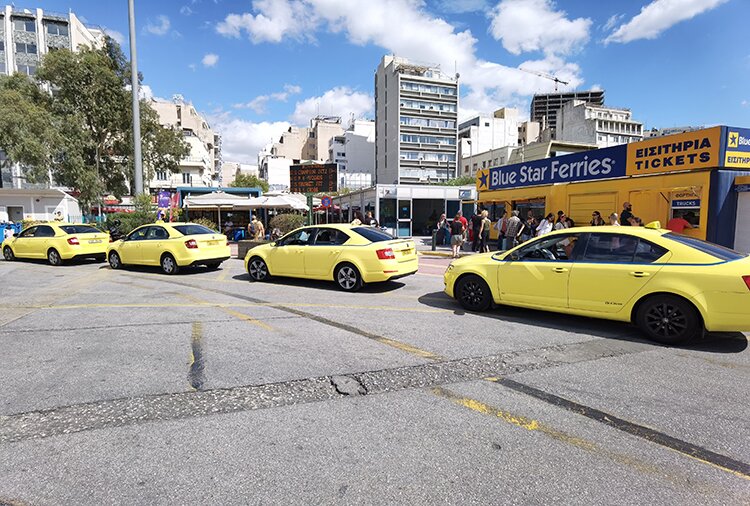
<point x="254" y="67"/>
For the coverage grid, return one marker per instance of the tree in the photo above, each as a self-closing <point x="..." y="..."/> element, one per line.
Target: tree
<point x="249" y="181"/>
<point x="461" y="181"/>
<point x="88" y="144"/>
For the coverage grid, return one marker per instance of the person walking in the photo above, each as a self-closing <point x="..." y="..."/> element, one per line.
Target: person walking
<point x="370" y="220"/>
<point x="358" y="219"/>
<point x="476" y="226"/>
<point x="596" y="219"/>
<point x="465" y="224"/>
<point x="626" y="214"/>
<point x="513" y="231"/>
<point x="457" y="234"/>
<point x="260" y="230"/>
<point x="529" y="229"/>
<point x="441" y="230"/>
<point x="484" y="232"/>
<point x="501" y="226"/>
<point x="614" y="220"/>
<point x="562" y="221"/>
<point x="546" y="226"/>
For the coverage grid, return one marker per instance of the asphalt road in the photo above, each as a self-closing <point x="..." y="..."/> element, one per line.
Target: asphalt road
<point x="131" y="387"/>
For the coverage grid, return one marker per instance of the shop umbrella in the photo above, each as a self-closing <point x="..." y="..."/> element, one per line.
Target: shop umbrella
<point x="216" y="200"/>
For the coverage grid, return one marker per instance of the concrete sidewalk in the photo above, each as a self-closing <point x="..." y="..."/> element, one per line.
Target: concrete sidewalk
<point x="424" y="247"/>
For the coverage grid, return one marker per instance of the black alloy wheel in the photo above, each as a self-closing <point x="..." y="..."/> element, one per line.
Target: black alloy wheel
<point x="53" y="257"/>
<point x="114" y="260"/>
<point x="348" y="278"/>
<point x="169" y="264"/>
<point x="8" y="254"/>
<point x="257" y="269"/>
<point x="473" y="293"/>
<point x="669" y="320"/>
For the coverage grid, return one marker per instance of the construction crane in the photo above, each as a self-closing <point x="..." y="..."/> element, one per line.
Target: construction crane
<point x="546" y="76"/>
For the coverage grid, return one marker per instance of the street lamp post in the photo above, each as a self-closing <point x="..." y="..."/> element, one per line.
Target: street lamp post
<point x="137" y="159"/>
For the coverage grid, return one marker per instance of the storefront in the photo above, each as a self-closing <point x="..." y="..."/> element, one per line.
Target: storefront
<point x="690" y="175"/>
<point x="407" y="210"/>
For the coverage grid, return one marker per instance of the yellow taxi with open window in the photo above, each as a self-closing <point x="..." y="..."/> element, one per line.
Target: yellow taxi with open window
<point x="170" y="246"/>
<point x="57" y="242"/>
<point x="349" y="255"/>
<point x="671" y="286"/>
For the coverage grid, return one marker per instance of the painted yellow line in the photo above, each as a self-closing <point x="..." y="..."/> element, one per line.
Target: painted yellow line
<point x="223" y="274"/>
<point x="195" y="336"/>
<point x="247" y="318"/>
<point x="408" y="348"/>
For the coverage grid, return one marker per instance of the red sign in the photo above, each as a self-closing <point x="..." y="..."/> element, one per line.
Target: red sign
<point x="325" y="201"/>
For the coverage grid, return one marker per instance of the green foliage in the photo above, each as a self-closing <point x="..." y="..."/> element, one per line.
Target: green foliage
<point x="461" y="181"/>
<point x="249" y="181"/>
<point x="26" y="223"/>
<point x="83" y="132"/>
<point x="206" y="223"/>
<point x="144" y="214"/>
<point x="287" y="222"/>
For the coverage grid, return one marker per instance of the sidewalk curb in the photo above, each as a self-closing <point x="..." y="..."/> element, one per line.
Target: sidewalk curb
<point x="443" y="254"/>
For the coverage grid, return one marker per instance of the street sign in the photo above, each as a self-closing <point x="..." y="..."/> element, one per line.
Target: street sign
<point x="325" y="201"/>
<point x="313" y="178"/>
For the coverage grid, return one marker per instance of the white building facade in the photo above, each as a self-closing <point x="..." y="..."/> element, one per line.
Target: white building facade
<point x="582" y="122"/>
<point x="416" y="110"/>
<point x="493" y="136"/>
<point x="354" y="153"/>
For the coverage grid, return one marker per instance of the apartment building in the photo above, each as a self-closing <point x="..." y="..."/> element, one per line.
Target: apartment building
<point x="201" y="166"/>
<point x="489" y="135"/>
<point x="582" y="122"/>
<point x="545" y="107"/>
<point x="416" y="110"/>
<point x="354" y="153"/>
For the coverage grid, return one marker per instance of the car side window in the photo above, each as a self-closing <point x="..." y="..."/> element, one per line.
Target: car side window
<point x="611" y="248"/>
<point x="330" y="237"/>
<point x="298" y="238"/>
<point x="138" y="235"/>
<point x="157" y="233"/>
<point x="648" y="252"/>
<point x="29" y="232"/>
<point x="560" y="248"/>
<point x="44" y="231"/>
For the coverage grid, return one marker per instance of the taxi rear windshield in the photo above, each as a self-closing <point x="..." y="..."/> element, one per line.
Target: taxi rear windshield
<point x="712" y="249"/>
<point x="373" y="234"/>
<point x="194" y="230"/>
<point x="80" y="229"/>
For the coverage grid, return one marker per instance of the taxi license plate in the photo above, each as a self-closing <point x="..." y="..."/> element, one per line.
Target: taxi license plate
<point x="95" y="241"/>
<point x="405" y="252"/>
<point x="213" y="243"/>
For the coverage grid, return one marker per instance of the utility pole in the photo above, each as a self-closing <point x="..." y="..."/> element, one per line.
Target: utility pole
<point x="137" y="160"/>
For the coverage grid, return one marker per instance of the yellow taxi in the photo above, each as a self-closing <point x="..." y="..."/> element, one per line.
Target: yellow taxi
<point x="348" y="255"/>
<point x="170" y="246"/>
<point x="57" y="242"/>
<point x="671" y="286"/>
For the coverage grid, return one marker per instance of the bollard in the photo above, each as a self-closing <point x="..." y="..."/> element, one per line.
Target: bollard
<point x="434" y="239"/>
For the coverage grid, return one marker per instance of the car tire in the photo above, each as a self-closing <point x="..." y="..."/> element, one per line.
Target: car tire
<point x="257" y="269"/>
<point x="213" y="266"/>
<point x="53" y="257"/>
<point x="114" y="260"/>
<point x="348" y="278"/>
<point x="473" y="293"/>
<point x="169" y="265"/>
<point x="8" y="254"/>
<point x="668" y="319"/>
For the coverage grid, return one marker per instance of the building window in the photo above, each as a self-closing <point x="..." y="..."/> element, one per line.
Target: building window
<point x="57" y="29"/>
<point x="2" y="45"/>
<point x="2" y="67"/>
<point x="25" y="48"/>
<point x="29" y="70"/>
<point x="486" y="123"/>
<point x="24" y="25"/>
<point x="484" y="164"/>
<point x="161" y="175"/>
<point x="186" y="178"/>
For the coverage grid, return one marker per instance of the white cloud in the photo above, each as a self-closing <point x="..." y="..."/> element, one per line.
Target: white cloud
<point x="242" y="140"/>
<point x="192" y="67"/>
<point x="612" y="21"/>
<point x="116" y="36"/>
<point x="340" y="101"/>
<point x="185" y="10"/>
<point x="534" y="25"/>
<point x="258" y="104"/>
<point x="210" y="60"/>
<point x="275" y="20"/>
<point x="162" y="28"/>
<point x="658" y="16"/>
<point x="744" y="103"/>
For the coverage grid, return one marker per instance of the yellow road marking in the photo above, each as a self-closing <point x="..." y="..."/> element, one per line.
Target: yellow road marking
<point x="195" y="336"/>
<point x="223" y="274"/>
<point x="247" y="318"/>
<point x="408" y="348"/>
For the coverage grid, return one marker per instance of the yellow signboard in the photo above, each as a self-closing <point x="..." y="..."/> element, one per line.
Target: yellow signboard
<point x="691" y="150"/>
<point x="483" y="178"/>
<point x="738" y="148"/>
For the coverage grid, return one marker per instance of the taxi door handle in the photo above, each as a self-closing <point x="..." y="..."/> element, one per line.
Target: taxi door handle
<point x="560" y="270"/>
<point x="640" y="274"/>
<point x="335" y="252"/>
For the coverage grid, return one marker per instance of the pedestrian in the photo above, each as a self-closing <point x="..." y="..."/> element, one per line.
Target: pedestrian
<point x="562" y="221"/>
<point x="635" y="221"/>
<point x="529" y="229"/>
<point x="58" y="216"/>
<point x="358" y="219"/>
<point x="8" y="233"/>
<point x="465" y="223"/>
<point x="596" y="219"/>
<point x="501" y="226"/>
<point x="457" y="234"/>
<point x="484" y="232"/>
<point x="513" y="231"/>
<point x="546" y="225"/>
<point x="570" y="222"/>
<point x="370" y="220"/>
<point x="441" y="229"/>
<point x="614" y="220"/>
<point x="259" y="230"/>
<point x="678" y="224"/>
<point x="627" y="212"/>
<point x="476" y="226"/>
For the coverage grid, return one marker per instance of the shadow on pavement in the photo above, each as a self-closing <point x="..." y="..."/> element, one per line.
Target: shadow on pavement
<point x="374" y="288"/>
<point x="714" y="342"/>
<point x="184" y="271"/>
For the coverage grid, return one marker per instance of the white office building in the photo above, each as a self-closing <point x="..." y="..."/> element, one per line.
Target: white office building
<point x="354" y="153"/>
<point x="582" y="122"/>
<point x="416" y="110"/>
<point x="495" y="135"/>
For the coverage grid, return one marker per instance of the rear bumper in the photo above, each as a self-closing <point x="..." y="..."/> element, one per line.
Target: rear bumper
<point x="209" y="261"/>
<point x="391" y="270"/>
<point x="725" y="311"/>
<point x="99" y="256"/>
<point x="73" y="254"/>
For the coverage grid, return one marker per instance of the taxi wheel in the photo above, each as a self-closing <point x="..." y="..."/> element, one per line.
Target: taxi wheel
<point x="257" y="269"/>
<point x="114" y="260"/>
<point x="53" y="257"/>
<point x="473" y="293"/>
<point x="667" y="319"/>
<point x="169" y="264"/>
<point x="8" y="254"/>
<point x="348" y="278"/>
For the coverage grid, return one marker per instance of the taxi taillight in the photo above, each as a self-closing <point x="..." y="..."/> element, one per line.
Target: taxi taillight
<point x="191" y="244"/>
<point x="73" y="241"/>
<point x="386" y="254"/>
<point x="746" y="279"/>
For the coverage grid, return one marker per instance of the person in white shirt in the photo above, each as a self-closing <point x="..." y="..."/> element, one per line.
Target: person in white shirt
<point x="8" y="232"/>
<point x="545" y="226"/>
